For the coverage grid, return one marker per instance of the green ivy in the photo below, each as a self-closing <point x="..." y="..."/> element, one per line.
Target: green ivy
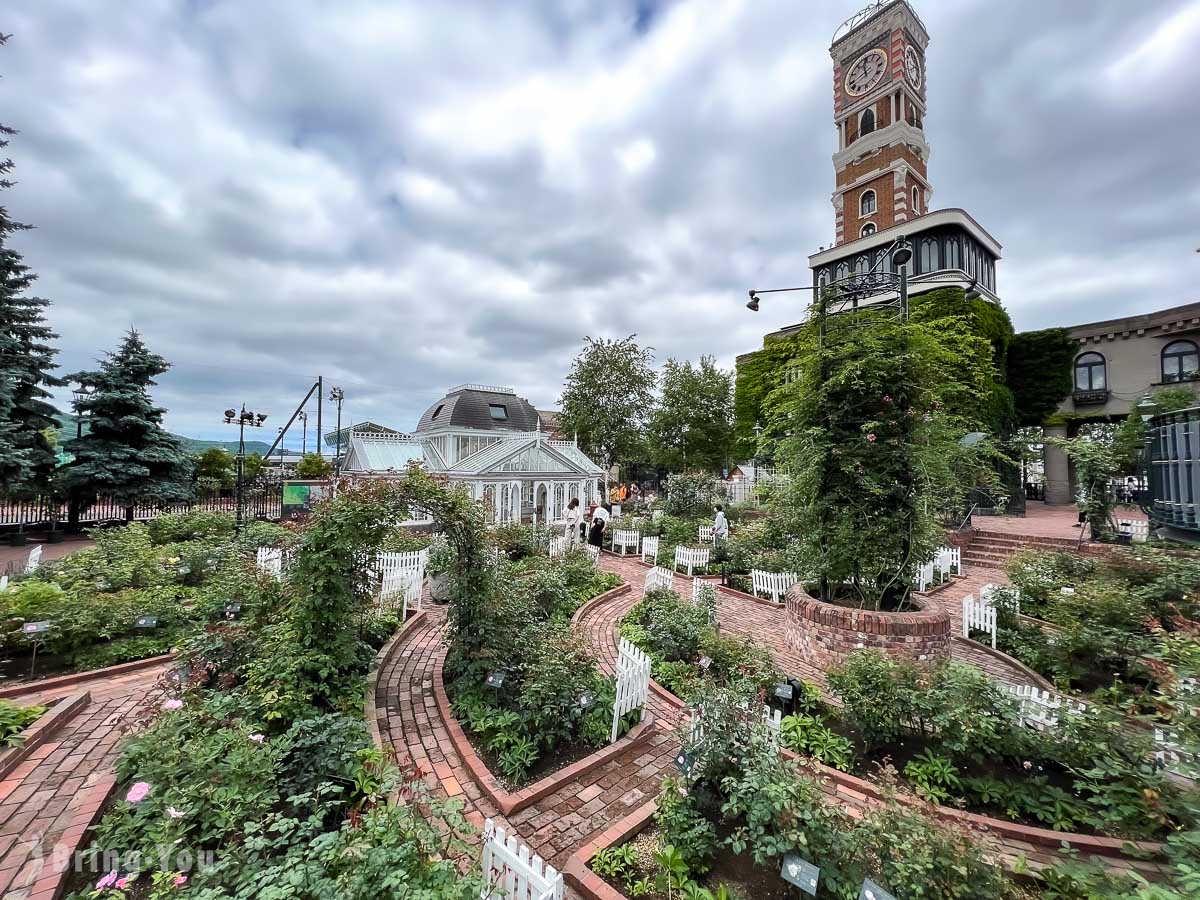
<point x="1039" y="372"/>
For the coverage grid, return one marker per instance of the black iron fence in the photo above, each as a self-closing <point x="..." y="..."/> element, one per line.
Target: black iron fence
<point x="263" y="500"/>
<point x="1175" y="468"/>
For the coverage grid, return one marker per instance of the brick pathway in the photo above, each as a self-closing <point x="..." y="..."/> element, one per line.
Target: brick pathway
<point x="50" y="798"/>
<point x="13" y="559"/>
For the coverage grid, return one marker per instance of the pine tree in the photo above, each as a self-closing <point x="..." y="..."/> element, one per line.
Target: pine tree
<point x="27" y="459"/>
<point x="126" y="454"/>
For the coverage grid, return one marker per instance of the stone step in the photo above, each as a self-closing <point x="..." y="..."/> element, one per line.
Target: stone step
<point x="1021" y="540"/>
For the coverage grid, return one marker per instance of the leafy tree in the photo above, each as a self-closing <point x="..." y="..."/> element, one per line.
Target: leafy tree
<point x="252" y="465"/>
<point x="313" y="465"/>
<point x="26" y="361"/>
<point x="126" y="454"/>
<point x="1096" y="462"/>
<point x="215" y="467"/>
<point x="1130" y="437"/>
<point x="692" y="424"/>
<point x="608" y="397"/>
<point x="871" y="429"/>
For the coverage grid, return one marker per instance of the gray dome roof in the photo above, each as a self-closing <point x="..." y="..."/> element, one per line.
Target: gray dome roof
<point x="482" y="407"/>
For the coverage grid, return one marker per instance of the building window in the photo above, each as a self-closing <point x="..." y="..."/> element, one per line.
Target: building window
<point x="1089" y="372"/>
<point x="823" y="278"/>
<point x="931" y="255"/>
<point x="916" y="206"/>
<point x="862" y="265"/>
<point x="866" y="203"/>
<point x="866" y="123"/>
<point x="953" y="259"/>
<point x="867" y="229"/>
<point x="437" y="412"/>
<point x="498" y="411"/>
<point x="843" y="270"/>
<point x="1180" y="361"/>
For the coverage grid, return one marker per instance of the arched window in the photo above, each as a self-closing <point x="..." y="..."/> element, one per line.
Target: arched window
<point x="823" y="278"/>
<point x="953" y="258"/>
<point x="931" y="255"/>
<point x="843" y="270"/>
<point x="867" y="229"/>
<point x="1090" y="372"/>
<point x="862" y="265"/>
<point x="866" y="122"/>
<point x="866" y="203"/>
<point x="1180" y="361"/>
<point x="916" y="206"/>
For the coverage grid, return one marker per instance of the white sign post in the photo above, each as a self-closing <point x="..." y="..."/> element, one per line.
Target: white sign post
<point x="633" y="683"/>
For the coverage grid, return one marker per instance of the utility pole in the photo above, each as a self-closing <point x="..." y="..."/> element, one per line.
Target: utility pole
<point x="337" y="395"/>
<point x="320" y="398"/>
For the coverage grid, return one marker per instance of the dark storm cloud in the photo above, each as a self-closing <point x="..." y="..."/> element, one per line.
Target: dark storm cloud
<point x="401" y="197"/>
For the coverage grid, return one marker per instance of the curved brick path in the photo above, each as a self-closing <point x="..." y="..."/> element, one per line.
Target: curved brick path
<point x="48" y="801"/>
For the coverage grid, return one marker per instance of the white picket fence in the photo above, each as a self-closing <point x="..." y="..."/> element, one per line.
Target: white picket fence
<point x="512" y="872"/>
<point x="949" y="560"/>
<point x="403" y="588"/>
<point x="1039" y="709"/>
<point x="705" y="534"/>
<point x="558" y="545"/>
<point x="979" y="615"/>
<point x="34" y="561"/>
<point x="988" y="591"/>
<point x="772" y="584"/>
<point x="270" y="560"/>
<point x="650" y="550"/>
<point x="697" y="587"/>
<point x="658" y="578"/>
<point x="626" y="539"/>
<point x="1139" y="529"/>
<point x="393" y="563"/>
<point x="3" y="582"/>
<point x="593" y="552"/>
<point x="633" y="683"/>
<point x="692" y="557"/>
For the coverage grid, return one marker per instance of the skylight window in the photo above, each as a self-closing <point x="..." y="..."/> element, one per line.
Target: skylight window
<point x="437" y="412"/>
<point x="499" y="411"/>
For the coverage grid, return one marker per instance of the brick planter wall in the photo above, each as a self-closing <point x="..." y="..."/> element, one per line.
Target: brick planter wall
<point x="825" y="635"/>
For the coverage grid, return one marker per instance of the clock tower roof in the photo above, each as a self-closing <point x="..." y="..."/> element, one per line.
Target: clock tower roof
<point x="851" y="30"/>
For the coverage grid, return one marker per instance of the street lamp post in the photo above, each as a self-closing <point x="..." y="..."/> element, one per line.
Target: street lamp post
<point x="303" y="417"/>
<point x="337" y="395"/>
<point x="242" y="419"/>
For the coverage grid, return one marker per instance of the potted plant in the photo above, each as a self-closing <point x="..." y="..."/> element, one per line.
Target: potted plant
<point x="441" y="558"/>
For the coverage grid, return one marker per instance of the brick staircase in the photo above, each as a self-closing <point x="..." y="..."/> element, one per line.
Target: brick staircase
<point x="992" y="549"/>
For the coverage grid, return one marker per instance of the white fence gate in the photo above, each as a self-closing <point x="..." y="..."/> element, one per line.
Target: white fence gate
<point x="404" y="588"/>
<point x="949" y="560"/>
<point x="394" y="563"/>
<point x="980" y="615"/>
<point x="558" y="545"/>
<point x="35" y="559"/>
<point x="692" y="557"/>
<point x="593" y="552"/>
<point x="705" y="534"/>
<point x="626" y="539"/>
<point x="650" y="549"/>
<point x="512" y="872"/>
<point x="772" y="584"/>
<point x="658" y="578"/>
<point x="270" y="560"/>
<point x="633" y="683"/>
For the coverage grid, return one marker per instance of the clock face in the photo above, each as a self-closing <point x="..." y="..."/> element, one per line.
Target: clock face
<point x="912" y="66"/>
<point x="866" y="72"/>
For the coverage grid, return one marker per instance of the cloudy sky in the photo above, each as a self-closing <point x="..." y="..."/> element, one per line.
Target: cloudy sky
<point x="403" y="196"/>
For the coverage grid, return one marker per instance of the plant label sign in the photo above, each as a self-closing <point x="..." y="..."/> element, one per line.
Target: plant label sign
<point x="684" y="762"/>
<point x="784" y="692"/>
<point x="495" y="679"/>
<point x="35" y="627"/>
<point x="232" y="609"/>
<point x="801" y="873"/>
<point x="705" y="662"/>
<point x="146" y="622"/>
<point x="872" y="891"/>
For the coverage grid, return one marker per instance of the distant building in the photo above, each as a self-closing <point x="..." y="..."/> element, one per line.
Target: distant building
<point x="1118" y="362"/>
<point x="491" y="440"/>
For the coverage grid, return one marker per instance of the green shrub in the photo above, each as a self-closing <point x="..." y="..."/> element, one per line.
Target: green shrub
<point x="15" y="719"/>
<point x="320" y="749"/>
<point x="692" y="494"/>
<point x="170" y="528"/>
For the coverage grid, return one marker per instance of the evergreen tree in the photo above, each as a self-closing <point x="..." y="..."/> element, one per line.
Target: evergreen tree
<point x="126" y="454"/>
<point x="26" y="360"/>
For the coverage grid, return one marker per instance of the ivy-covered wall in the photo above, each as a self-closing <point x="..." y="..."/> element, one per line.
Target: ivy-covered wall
<point x="1039" y="372"/>
<point x="759" y="372"/>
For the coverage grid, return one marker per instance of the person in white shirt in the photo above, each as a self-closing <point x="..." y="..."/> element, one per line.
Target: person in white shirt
<point x="720" y="527"/>
<point x="573" y="516"/>
<point x="600" y="516"/>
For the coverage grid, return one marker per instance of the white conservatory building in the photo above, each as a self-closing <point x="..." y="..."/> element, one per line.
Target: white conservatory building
<point x="491" y="440"/>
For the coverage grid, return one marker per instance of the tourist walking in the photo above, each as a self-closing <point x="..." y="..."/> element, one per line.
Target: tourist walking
<point x="600" y="517"/>
<point x="720" y="527"/>
<point x="574" y="518"/>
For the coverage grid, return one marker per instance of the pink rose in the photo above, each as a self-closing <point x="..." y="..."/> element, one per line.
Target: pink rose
<point x="173" y="703"/>
<point x="107" y="881"/>
<point x="871" y="437"/>
<point x="121" y="884"/>
<point x="180" y="880"/>
<point x="257" y="738"/>
<point x="139" y="792"/>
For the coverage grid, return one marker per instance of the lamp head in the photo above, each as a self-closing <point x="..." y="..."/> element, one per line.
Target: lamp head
<point x="262" y="417"/>
<point x="753" y="304"/>
<point x="229" y="413"/>
<point x="973" y="292"/>
<point x="902" y="254"/>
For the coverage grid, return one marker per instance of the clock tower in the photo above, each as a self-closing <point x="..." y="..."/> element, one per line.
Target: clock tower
<point x="879" y="109"/>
